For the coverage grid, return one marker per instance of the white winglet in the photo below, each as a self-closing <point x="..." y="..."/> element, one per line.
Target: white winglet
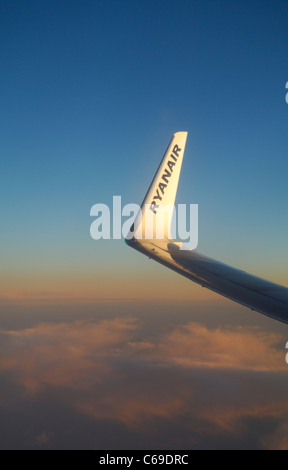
<point x="155" y="217"/>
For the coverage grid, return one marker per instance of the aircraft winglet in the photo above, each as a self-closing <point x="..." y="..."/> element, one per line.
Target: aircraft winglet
<point x="160" y="198"/>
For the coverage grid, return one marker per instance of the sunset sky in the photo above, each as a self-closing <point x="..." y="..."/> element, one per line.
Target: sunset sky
<point x="91" y="93"/>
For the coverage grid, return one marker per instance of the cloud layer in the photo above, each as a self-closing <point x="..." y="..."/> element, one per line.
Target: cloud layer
<point x="181" y="386"/>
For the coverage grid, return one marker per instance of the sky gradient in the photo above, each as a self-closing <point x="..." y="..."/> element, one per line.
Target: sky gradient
<point x="90" y="94"/>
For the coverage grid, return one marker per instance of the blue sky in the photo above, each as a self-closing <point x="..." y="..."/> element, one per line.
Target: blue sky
<point x="90" y="95"/>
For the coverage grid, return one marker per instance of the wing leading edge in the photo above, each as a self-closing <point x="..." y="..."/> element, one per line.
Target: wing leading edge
<point x="258" y="294"/>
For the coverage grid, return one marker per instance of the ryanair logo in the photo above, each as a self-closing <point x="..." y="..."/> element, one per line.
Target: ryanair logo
<point x="160" y="191"/>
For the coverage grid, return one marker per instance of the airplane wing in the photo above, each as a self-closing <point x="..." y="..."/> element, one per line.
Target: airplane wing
<point x="253" y="292"/>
